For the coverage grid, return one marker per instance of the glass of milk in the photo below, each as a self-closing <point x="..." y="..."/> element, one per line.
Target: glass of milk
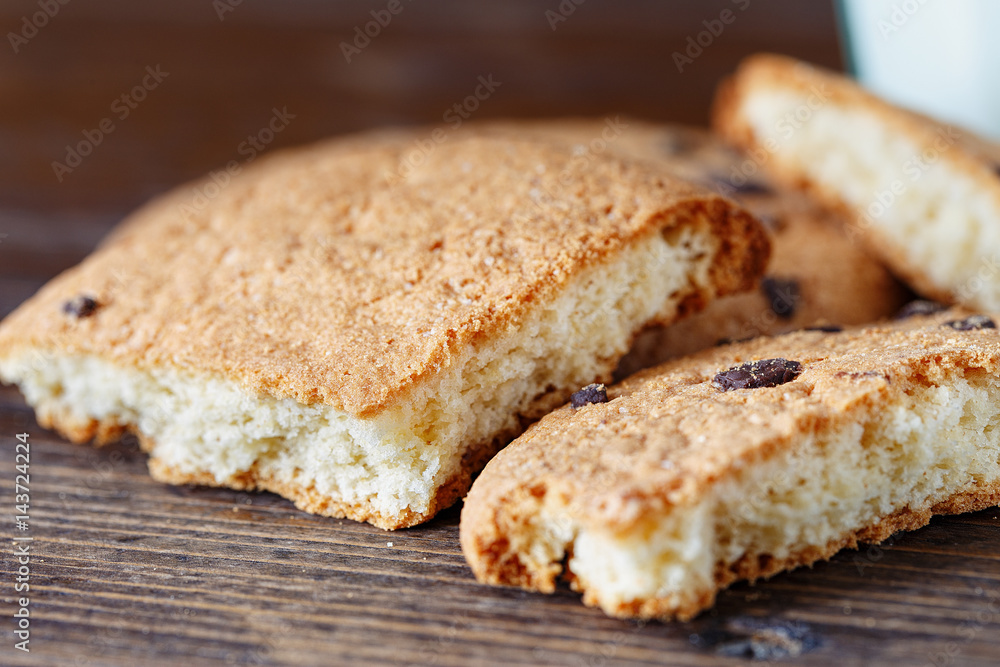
<point x="938" y="57"/>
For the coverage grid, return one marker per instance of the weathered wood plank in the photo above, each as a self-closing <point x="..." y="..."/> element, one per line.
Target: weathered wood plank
<point x="140" y="564"/>
<point x="128" y="571"/>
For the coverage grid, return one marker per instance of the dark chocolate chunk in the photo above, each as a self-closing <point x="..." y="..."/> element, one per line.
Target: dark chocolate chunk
<point x="756" y="638"/>
<point x="758" y="374"/>
<point x="996" y="168"/>
<point x="920" y="307"/>
<point x="80" y="306"/>
<point x="729" y="187"/>
<point x="679" y="143"/>
<point x="783" y="294"/>
<point x="972" y="323"/>
<point x="731" y="341"/>
<point x="592" y="393"/>
<point x="826" y="328"/>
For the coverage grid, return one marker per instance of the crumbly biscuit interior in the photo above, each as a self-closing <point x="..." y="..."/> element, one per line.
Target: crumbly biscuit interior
<point x="396" y="460"/>
<point x="943" y="220"/>
<point x="938" y="441"/>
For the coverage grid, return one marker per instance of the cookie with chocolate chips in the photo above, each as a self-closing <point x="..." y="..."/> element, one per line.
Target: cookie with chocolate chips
<point x="924" y="197"/>
<point x="360" y="334"/>
<point x="816" y="276"/>
<point x="743" y="461"/>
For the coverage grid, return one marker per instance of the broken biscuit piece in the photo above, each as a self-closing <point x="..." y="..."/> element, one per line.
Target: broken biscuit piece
<point x="361" y="338"/>
<point x="742" y="462"/>
<point x="922" y="195"/>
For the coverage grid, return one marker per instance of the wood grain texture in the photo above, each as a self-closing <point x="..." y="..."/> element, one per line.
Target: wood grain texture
<point x="127" y="571"/>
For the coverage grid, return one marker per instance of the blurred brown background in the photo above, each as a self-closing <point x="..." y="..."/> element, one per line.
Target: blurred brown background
<point x="231" y="61"/>
<point x="65" y="65"/>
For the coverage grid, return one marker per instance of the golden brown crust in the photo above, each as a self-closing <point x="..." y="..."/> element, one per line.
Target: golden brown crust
<point x="973" y="156"/>
<point x="667" y="435"/>
<point x="837" y="281"/>
<point x="320" y="274"/>
<point x="834" y="282"/>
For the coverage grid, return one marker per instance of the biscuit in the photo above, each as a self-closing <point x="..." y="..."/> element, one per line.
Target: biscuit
<point x="922" y="195"/>
<point x="744" y="461"/>
<point x="816" y="275"/>
<point x="361" y="340"/>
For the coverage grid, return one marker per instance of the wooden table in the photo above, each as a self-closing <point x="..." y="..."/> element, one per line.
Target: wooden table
<point x="127" y="571"/>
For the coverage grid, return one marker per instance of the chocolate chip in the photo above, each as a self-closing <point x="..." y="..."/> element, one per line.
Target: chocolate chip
<point x="758" y="374"/>
<point x="80" y="306"/>
<point x="756" y="638"/>
<point x="733" y="341"/>
<point x="826" y="328"/>
<point x="919" y="307"/>
<point x="972" y="323"/>
<point x="592" y="393"/>
<point x="747" y="187"/>
<point x="677" y="143"/>
<point x="996" y="168"/>
<point x="783" y="294"/>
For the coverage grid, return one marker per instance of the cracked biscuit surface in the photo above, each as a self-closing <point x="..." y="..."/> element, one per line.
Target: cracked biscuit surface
<point x="361" y="340"/>
<point x="684" y="482"/>
<point x="817" y="276"/>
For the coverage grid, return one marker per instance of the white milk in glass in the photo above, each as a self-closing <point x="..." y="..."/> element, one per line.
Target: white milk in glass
<point x="939" y="57"/>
